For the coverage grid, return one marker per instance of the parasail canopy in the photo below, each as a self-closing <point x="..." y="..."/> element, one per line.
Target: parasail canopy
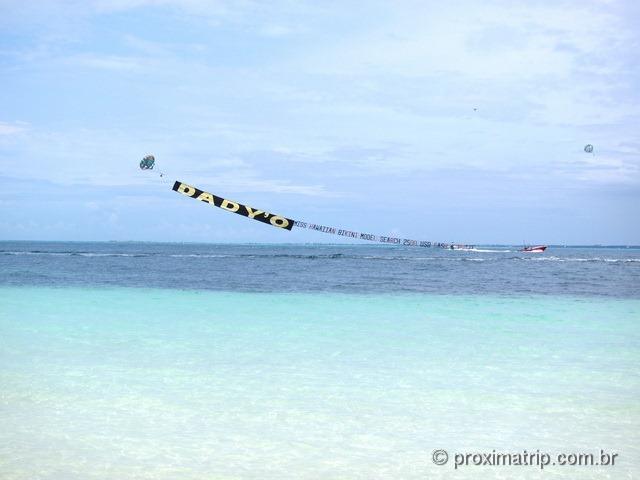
<point x="147" y="162"/>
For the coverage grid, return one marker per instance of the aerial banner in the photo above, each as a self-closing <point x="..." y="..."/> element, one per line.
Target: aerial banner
<point x="278" y="221"/>
<point x="407" y="242"/>
<point x="234" y="207"/>
<point x="285" y="223"/>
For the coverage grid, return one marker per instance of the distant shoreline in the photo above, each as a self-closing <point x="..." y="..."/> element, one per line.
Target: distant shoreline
<point x="303" y="244"/>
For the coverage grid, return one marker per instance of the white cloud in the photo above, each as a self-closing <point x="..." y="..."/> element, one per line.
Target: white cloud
<point x="392" y="94"/>
<point x="245" y="181"/>
<point x="12" y="128"/>
<point x="481" y="40"/>
<point x="110" y="62"/>
<point x="276" y="31"/>
<point x="110" y="158"/>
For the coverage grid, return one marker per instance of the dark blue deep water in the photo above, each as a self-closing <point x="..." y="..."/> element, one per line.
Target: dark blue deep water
<point x="602" y="271"/>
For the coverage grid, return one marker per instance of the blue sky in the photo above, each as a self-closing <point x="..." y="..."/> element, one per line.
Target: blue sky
<point x="352" y="114"/>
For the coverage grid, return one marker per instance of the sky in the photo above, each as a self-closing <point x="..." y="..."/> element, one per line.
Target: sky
<point x="445" y="121"/>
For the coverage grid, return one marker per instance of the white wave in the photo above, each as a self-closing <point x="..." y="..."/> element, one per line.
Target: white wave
<point x="79" y="254"/>
<point x="576" y="259"/>
<point x="201" y="255"/>
<point x="445" y="257"/>
<point x="88" y="254"/>
<point x="487" y="250"/>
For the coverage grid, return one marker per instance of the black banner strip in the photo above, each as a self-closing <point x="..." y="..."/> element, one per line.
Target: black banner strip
<point x="234" y="207"/>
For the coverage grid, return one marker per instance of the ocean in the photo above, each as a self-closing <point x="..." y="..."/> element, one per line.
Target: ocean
<point x="191" y="361"/>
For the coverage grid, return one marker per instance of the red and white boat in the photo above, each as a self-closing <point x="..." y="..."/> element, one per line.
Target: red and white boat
<point x="534" y="248"/>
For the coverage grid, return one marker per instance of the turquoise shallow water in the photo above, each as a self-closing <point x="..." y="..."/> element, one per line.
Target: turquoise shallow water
<point x="157" y="383"/>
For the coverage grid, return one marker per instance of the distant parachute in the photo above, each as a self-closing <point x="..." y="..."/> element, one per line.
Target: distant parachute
<point x="588" y="148"/>
<point x="147" y="162"/>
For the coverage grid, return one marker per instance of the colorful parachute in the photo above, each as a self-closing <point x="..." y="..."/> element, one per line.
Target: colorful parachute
<point x="147" y="162"/>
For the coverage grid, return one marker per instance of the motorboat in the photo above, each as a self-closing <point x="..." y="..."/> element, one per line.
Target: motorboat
<point x="533" y="248"/>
